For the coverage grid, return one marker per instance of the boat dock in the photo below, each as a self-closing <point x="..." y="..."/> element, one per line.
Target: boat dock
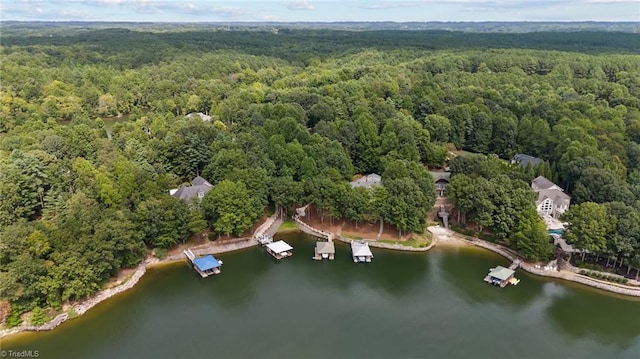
<point x="279" y="249"/>
<point x="361" y="252"/>
<point x="264" y="239"/>
<point x="206" y="265"/>
<point x="324" y="250"/>
<point x="502" y="276"/>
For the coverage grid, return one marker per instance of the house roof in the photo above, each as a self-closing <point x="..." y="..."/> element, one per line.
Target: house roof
<point x="557" y="196"/>
<point x="440" y="176"/>
<point x="367" y="181"/>
<point x="206" y="263"/>
<point x="199" y="181"/>
<point x="523" y="160"/>
<point x="501" y="273"/>
<point x="361" y="249"/>
<point x="325" y="248"/>
<point x="203" y="116"/>
<point x="279" y="246"/>
<point x="199" y="187"/>
<point x="541" y="182"/>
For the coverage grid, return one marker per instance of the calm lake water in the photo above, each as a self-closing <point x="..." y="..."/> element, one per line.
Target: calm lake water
<point x="403" y="305"/>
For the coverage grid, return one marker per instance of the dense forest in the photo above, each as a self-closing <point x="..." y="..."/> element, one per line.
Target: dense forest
<point x="94" y="133"/>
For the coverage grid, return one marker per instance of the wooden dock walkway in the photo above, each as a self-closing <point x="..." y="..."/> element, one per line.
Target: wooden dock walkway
<point x="515" y="264"/>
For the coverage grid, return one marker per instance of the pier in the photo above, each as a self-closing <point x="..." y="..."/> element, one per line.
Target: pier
<point x="206" y="265"/>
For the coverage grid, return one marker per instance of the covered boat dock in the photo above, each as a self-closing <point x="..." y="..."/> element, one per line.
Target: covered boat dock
<point x="206" y="265"/>
<point x="324" y="250"/>
<point x="361" y="252"/>
<point x="501" y="276"/>
<point x="279" y="249"/>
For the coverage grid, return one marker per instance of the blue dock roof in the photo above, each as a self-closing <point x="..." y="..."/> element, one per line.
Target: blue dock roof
<point x="206" y="263"/>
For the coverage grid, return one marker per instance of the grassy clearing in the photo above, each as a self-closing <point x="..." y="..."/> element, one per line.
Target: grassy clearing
<point x="416" y="241"/>
<point x="288" y="225"/>
<point x="350" y="236"/>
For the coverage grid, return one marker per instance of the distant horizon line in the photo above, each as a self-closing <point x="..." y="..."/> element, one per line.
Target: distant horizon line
<point x="331" y="22"/>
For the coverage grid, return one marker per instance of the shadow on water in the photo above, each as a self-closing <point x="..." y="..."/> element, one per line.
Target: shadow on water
<point x="395" y="273"/>
<point x="584" y="313"/>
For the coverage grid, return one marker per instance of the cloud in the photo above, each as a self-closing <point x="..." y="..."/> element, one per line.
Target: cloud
<point x="298" y="5"/>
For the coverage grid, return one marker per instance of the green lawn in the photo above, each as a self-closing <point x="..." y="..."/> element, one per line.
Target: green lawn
<point x="417" y="241"/>
<point x="288" y="225"/>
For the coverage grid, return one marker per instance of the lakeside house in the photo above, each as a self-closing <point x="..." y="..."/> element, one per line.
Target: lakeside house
<point x="551" y="201"/>
<point x="441" y="179"/>
<point x="279" y="249"/>
<point x="324" y="250"/>
<point x="361" y="252"/>
<point x="199" y="187"/>
<point x="523" y="160"/>
<point x="367" y="181"/>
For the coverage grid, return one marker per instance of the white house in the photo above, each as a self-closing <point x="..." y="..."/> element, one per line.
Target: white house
<point x="552" y="201"/>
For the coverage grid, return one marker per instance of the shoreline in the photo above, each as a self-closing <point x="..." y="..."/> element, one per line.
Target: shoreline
<point x="451" y="238"/>
<point x="79" y="308"/>
<point x="440" y="237"/>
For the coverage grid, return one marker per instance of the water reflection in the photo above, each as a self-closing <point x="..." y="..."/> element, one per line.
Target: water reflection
<point x="583" y="313"/>
<point x="466" y="270"/>
<point x="392" y="272"/>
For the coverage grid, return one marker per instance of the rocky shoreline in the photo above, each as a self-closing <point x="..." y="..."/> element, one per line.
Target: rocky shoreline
<point x="83" y="306"/>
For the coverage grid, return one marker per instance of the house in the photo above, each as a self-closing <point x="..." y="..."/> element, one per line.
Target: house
<point x="361" y="252"/>
<point x="523" y="160"/>
<point x="199" y="187"/>
<point x="442" y="180"/>
<point x="551" y="201"/>
<point x="367" y="181"/>
<point x="204" y="117"/>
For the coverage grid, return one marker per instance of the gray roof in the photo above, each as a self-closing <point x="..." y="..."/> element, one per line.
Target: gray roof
<point x="199" y="181"/>
<point x="440" y="176"/>
<point x="325" y="248"/>
<point x="501" y="273"/>
<point x="557" y="196"/>
<point x="541" y="182"/>
<point x="367" y="181"/>
<point x="199" y="187"/>
<point x="360" y="249"/>
<point x="523" y="160"/>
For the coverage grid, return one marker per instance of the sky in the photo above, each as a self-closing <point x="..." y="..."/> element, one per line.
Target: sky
<point x="319" y="10"/>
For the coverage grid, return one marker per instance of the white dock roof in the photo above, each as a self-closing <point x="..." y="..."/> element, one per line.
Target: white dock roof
<point x="279" y="246"/>
<point x="360" y="249"/>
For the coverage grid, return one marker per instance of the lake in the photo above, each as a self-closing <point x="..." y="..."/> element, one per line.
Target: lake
<point x="402" y="305"/>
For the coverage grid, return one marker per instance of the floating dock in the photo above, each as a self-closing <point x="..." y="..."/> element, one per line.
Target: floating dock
<point x="279" y="249"/>
<point x="206" y="265"/>
<point x="501" y="276"/>
<point x="361" y="252"/>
